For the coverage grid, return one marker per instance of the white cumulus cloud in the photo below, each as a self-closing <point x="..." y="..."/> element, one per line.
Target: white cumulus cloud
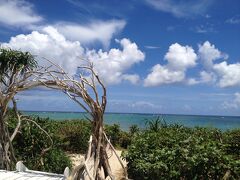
<point x="162" y="75"/>
<point x="229" y="74"/>
<point x="49" y="44"/>
<point x="222" y="73"/>
<point x="179" y="58"/>
<point x="208" y="54"/>
<point x="205" y="77"/>
<point x="112" y="65"/>
<point x="17" y="13"/>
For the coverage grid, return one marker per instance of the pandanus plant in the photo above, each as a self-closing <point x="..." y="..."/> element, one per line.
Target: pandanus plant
<point x="15" y="72"/>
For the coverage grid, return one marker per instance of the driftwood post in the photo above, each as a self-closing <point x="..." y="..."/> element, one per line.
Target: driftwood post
<point x="84" y="92"/>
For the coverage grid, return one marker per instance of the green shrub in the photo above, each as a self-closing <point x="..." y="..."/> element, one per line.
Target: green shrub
<point x="125" y="140"/>
<point x="176" y="152"/>
<point x="134" y="129"/>
<point x="31" y="141"/>
<point x="118" y="138"/>
<point x="114" y="133"/>
<point x="156" y="124"/>
<point x="56" y="161"/>
<point x="74" y="135"/>
<point x="231" y="140"/>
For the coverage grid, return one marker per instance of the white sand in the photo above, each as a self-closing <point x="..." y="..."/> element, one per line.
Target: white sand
<point x="114" y="163"/>
<point x="116" y="166"/>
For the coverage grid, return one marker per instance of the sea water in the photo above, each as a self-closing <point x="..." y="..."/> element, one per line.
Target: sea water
<point x="125" y="120"/>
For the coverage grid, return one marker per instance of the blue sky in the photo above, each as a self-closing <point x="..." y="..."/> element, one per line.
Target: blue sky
<point x="155" y="56"/>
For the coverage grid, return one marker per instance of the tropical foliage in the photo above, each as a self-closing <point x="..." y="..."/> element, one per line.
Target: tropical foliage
<point x="13" y="61"/>
<point x="31" y="142"/>
<point x="159" y="152"/>
<point x="15" y="75"/>
<point x="176" y="152"/>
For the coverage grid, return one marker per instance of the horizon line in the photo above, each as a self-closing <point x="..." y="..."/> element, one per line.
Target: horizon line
<point x="134" y="113"/>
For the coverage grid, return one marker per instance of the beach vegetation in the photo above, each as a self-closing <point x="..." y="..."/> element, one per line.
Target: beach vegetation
<point x="134" y="129"/>
<point x="177" y="152"/>
<point x="15" y="72"/>
<point x="165" y="152"/>
<point x="31" y="143"/>
<point x="73" y="135"/>
<point x="67" y="136"/>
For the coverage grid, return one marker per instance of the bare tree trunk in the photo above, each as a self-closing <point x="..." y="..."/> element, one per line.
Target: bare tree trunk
<point x="99" y="150"/>
<point x="7" y="156"/>
<point x="2" y="144"/>
<point x="1" y="157"/>
<point x="5" y="164"/>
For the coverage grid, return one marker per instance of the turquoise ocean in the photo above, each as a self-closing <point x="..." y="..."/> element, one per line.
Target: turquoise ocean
<point x="125" y="120"/>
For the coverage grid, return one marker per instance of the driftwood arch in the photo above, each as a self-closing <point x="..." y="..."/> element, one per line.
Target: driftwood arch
<point x="89" y="92"/>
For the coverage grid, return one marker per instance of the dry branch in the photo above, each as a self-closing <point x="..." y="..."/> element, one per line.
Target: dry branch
<point x="88" y="92"/>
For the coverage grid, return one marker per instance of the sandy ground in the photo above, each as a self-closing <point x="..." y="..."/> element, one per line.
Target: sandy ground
<point x="114" y="163"/>
<point x="116" y="166"/>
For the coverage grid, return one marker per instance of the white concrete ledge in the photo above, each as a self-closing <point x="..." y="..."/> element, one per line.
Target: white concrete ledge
<point x="23" y="173"/>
